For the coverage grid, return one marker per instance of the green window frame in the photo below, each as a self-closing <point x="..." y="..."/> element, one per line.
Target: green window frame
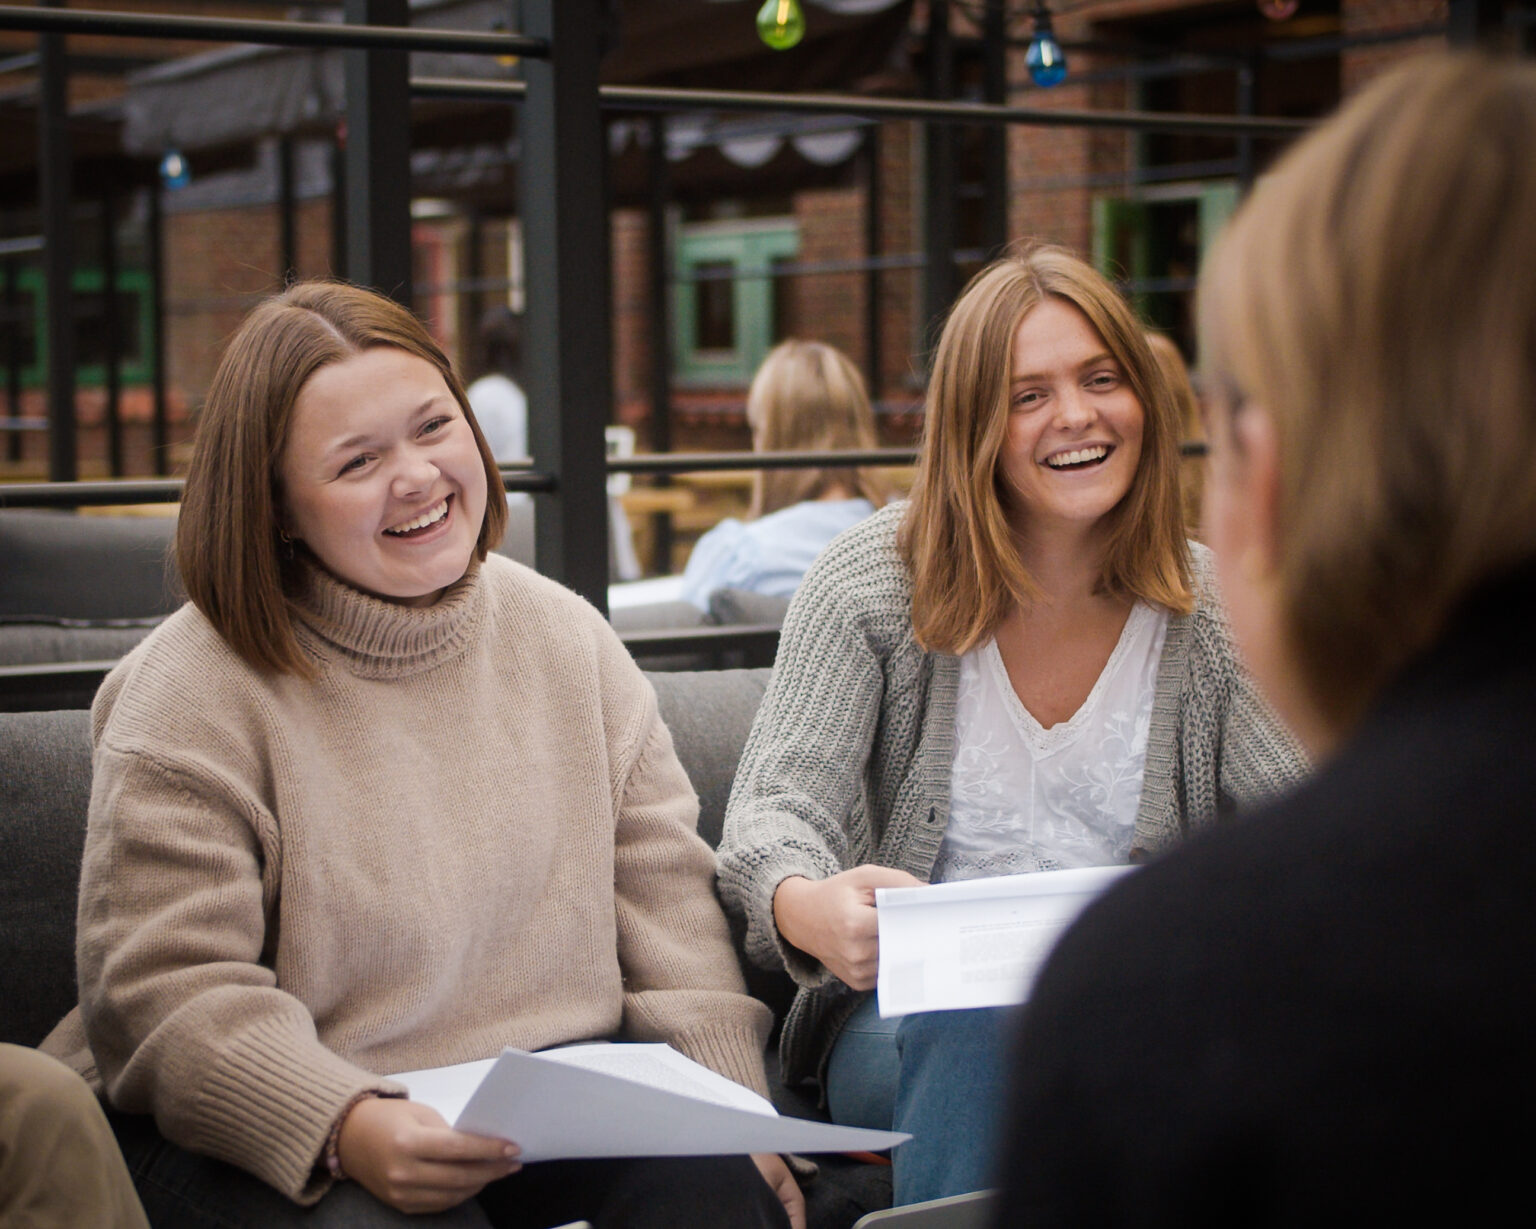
<point x="1122" y="239"/>
<point x="132" y="286"/>
<point x="750" y="250"/>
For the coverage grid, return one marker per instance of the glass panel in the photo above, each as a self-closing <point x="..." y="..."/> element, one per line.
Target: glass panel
<point x="714" y="305"/>
<point x="781" y="291"/>
<point x="92" y="335"/>
<point x="19" y="331"/>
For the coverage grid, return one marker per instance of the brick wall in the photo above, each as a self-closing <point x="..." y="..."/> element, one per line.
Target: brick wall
<point x="829" y="307"/>
<point x="1367" y="16"/>
<point x="632" y="325"/>
<point x="217" y="265"/>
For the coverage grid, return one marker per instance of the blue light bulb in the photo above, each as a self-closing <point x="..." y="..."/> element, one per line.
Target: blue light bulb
<point x="174" y="171"/>
<point x="1046" y="61"/>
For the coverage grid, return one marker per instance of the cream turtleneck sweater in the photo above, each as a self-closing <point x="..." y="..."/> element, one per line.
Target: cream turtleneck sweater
<point x="470" y="830"/>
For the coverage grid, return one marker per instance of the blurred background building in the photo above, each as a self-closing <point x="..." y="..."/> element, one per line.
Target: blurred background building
<point x="205" y="175"/>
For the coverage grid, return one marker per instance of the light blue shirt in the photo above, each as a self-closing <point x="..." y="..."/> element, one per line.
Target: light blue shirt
<point x="768" y="555"/>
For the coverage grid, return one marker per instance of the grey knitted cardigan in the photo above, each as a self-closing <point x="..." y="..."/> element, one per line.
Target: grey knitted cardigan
<point x="849" y="759"/>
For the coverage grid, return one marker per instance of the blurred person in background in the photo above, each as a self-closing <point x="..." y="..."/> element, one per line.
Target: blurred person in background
<point x="497" y="397"/>
<point x="806" y="397"/>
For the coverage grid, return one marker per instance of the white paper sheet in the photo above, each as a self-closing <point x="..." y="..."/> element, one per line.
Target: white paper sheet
<point x="621" y="1100"/>
<point x="979" y="942"/>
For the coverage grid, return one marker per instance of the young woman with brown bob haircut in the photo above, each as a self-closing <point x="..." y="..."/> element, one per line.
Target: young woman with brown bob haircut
<point x="230" y="543"/>
<point x="377" y="800"/>
<point x="807" y="396"/>
<point x="1023" y="668"/>
<point x="1328" y="1007"/>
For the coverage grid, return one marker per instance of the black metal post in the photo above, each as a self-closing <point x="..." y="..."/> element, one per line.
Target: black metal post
<point x="339" y="205"/>
<point x="872" y="243"/>
<point x="1474" y="23"/>
<point x="378" y="156"/>
<point x="160" y="433"/>
<point x="565" y="245"/>
<point x="58" y="253"/>
<point x="12" y="360"/>
<point x="474" y="312"/>
<point x="111" y="331"/>
<point x="1247" y="77"/>
<point x="287" y="240"/>
<point x="994" y="201"/>
<point x="660" y="254"/>
<point x="940" y="283"/>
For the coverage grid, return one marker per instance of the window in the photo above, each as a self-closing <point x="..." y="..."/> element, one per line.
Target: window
<point x="726" y="307"/>
<point x="1155" y="242"/>
<point x="134" y="328"/>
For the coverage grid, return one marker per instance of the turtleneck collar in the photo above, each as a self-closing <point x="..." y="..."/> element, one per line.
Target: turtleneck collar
<point x="375" y="638"/>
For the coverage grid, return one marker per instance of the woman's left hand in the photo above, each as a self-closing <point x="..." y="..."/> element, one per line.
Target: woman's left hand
<point x="776" y="1174"/>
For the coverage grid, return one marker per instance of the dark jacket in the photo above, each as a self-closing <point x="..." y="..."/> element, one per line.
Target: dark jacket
<point x="1325" y="1010"/>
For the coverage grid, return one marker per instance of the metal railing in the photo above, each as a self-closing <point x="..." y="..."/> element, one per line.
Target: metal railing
<point x="123" y="492"/>
<point x="339" y="35"/>
<point x="654" y="98"/>
<point x="564" y="227"/>
<point x="73" y="684"/>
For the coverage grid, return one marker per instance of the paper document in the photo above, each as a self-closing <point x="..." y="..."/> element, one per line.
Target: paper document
<point x="979" y="942"/>
<point x="621" y="1100"/>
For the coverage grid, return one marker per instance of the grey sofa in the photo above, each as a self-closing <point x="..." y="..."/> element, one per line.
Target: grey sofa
<point x="46" y="770"/>
<point x="79" y="588"/>
<point x="64" y="565"/>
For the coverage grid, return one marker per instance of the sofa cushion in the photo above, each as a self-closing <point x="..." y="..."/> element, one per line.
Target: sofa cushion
<point x="45" y="762"/>
<point x="65" y="565"/>
<point x="729" y="607"/>
<point x="710" y="714"/>
<point x="517" y="541"/>
<point x="656" y="617"/>
<point x="28" y="642"/>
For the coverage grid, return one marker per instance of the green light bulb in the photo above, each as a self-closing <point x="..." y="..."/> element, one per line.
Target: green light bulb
<point x="780" y="23"/>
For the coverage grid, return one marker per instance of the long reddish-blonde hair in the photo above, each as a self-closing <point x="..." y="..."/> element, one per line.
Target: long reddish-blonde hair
<point x="955" y="535"/>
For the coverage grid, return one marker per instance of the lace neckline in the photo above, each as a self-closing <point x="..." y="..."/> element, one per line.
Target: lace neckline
<point x="1040" y="737"/>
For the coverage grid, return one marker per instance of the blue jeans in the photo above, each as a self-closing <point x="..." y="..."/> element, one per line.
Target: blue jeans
<point x="937" y="1075"/>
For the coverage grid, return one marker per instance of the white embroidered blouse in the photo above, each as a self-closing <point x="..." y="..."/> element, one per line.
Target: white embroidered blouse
<point x="1027" y="798"/>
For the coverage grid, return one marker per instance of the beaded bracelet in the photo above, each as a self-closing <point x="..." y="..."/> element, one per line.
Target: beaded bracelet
<point x="332" y="1154"/>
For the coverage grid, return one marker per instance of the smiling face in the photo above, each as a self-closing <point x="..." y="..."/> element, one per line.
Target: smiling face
<point x="1073" y="439"/>
<point x="381" y="476"/>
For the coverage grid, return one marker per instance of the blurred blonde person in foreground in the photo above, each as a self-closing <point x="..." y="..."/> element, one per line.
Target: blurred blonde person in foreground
<point x="1325" y="1011"/>
<point x="806" y="397"/>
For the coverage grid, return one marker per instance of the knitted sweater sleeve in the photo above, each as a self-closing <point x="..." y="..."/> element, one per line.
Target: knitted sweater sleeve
<point x="185" y="1021"/>
<point x="795" y="806"/>
<point x="682" y="984"/>
<point x="1260" y="757"/>
<point x="1236" y="751"/>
